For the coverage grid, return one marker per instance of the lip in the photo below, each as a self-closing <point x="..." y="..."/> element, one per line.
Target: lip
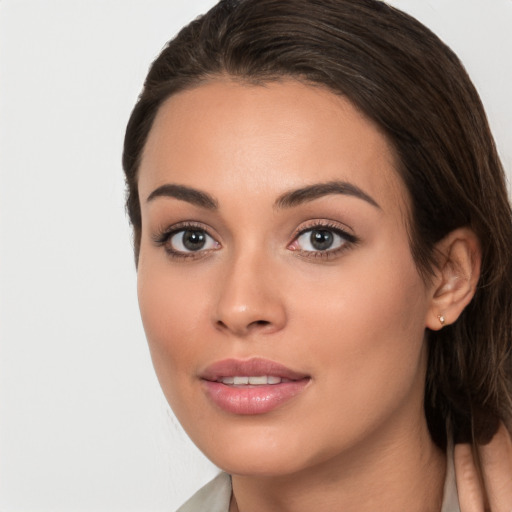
<point x="251" y="399"/>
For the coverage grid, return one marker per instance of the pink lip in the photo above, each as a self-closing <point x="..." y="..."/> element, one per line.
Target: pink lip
<point x="248" y="399"/>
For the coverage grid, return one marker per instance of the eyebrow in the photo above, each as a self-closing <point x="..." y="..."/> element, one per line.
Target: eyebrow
<point x="311" y="192"/>
<point x="188" y="194"/>
<point x="287" y="200"/>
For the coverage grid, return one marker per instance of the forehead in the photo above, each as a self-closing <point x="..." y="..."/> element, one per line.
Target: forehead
<point x="232" y="138"/>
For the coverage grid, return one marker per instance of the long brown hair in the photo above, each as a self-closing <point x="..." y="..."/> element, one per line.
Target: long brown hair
<point x="415" y="89"/>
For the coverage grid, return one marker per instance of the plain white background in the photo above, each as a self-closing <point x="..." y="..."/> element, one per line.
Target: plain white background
<point x="83" y="424"/>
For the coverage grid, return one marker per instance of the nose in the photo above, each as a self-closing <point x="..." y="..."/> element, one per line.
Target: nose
<point x="250" y="299"/>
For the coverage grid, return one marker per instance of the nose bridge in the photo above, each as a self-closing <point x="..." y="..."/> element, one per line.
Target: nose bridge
<point x="249" y="297"/>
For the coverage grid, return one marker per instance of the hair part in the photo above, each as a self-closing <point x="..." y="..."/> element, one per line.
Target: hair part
<point x="405" y="79"/>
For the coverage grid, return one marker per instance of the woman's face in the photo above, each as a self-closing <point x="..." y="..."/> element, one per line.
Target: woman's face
<point x="283" y="310"/>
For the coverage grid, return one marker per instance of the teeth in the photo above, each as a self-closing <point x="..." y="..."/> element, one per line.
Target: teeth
<point x="256" y="380"/>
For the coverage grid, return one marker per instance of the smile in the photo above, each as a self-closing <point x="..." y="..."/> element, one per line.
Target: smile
<point x="260" y="380"/>
<point x="254" y="386"/>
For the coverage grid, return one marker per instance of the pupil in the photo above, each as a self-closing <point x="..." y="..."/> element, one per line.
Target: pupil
<point x="194" y="240"/>
<point x="321" y="239"/>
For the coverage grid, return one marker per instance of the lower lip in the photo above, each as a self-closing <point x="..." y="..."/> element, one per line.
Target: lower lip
<point x="246" y="400"/>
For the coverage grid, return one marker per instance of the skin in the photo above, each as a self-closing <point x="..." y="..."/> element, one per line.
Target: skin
<point x="352" y="319"/>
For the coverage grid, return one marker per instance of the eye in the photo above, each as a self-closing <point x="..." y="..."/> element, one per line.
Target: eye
<point x="190" y="240"/>
<point x="320" y="239"/>
<point x="185" y="240"/>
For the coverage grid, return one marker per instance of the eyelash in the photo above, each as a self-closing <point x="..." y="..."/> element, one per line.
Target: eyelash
<point x="163" y="237"/>
<point x="349" y="240"/>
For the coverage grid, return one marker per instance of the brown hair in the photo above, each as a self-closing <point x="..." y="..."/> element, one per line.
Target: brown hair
<point x="414" y="87"/>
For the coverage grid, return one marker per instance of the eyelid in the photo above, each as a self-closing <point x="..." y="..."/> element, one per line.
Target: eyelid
<point x="336" y="226"/>
<point x="163" y="232"/>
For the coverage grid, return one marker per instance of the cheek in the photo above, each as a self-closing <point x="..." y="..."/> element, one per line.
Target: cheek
<point x="368" y="326"/>
<point x="170" y="312"/>
<point x="369" y="295"/>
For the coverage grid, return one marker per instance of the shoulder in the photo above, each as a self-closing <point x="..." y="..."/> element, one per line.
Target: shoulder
<point x="213" y="497"/>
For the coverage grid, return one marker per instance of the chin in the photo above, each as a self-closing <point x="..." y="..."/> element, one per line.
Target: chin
<point x="264" y="463"/>
<point x="266" y="451"/>
<point x="250" y="449"/>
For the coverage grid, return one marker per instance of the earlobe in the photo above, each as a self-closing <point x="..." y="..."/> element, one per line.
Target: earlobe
<point x="457" y="274"/>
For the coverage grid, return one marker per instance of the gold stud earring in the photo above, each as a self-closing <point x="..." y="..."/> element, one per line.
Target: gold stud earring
<point x="442" y="319"/>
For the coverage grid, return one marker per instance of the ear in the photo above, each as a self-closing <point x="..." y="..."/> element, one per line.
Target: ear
<point x="456" y="277"/>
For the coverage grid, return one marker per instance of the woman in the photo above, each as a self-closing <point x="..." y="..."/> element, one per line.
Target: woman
<point x="323" y="238"/>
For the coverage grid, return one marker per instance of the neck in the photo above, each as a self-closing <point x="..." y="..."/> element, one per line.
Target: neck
<point x="397" y="470"/>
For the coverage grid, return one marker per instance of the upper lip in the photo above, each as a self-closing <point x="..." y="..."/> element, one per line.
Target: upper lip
<point x="249" y="367"/>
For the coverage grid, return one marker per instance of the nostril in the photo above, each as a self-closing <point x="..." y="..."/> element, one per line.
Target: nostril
<point x="259" y="323"/>
<point x="248" y="327"/>
<point x="221" y="324"/>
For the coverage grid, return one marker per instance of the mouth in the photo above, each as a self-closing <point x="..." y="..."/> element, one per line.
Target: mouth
<point x="254" y="386"/>
<point x="260" y="380"/>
